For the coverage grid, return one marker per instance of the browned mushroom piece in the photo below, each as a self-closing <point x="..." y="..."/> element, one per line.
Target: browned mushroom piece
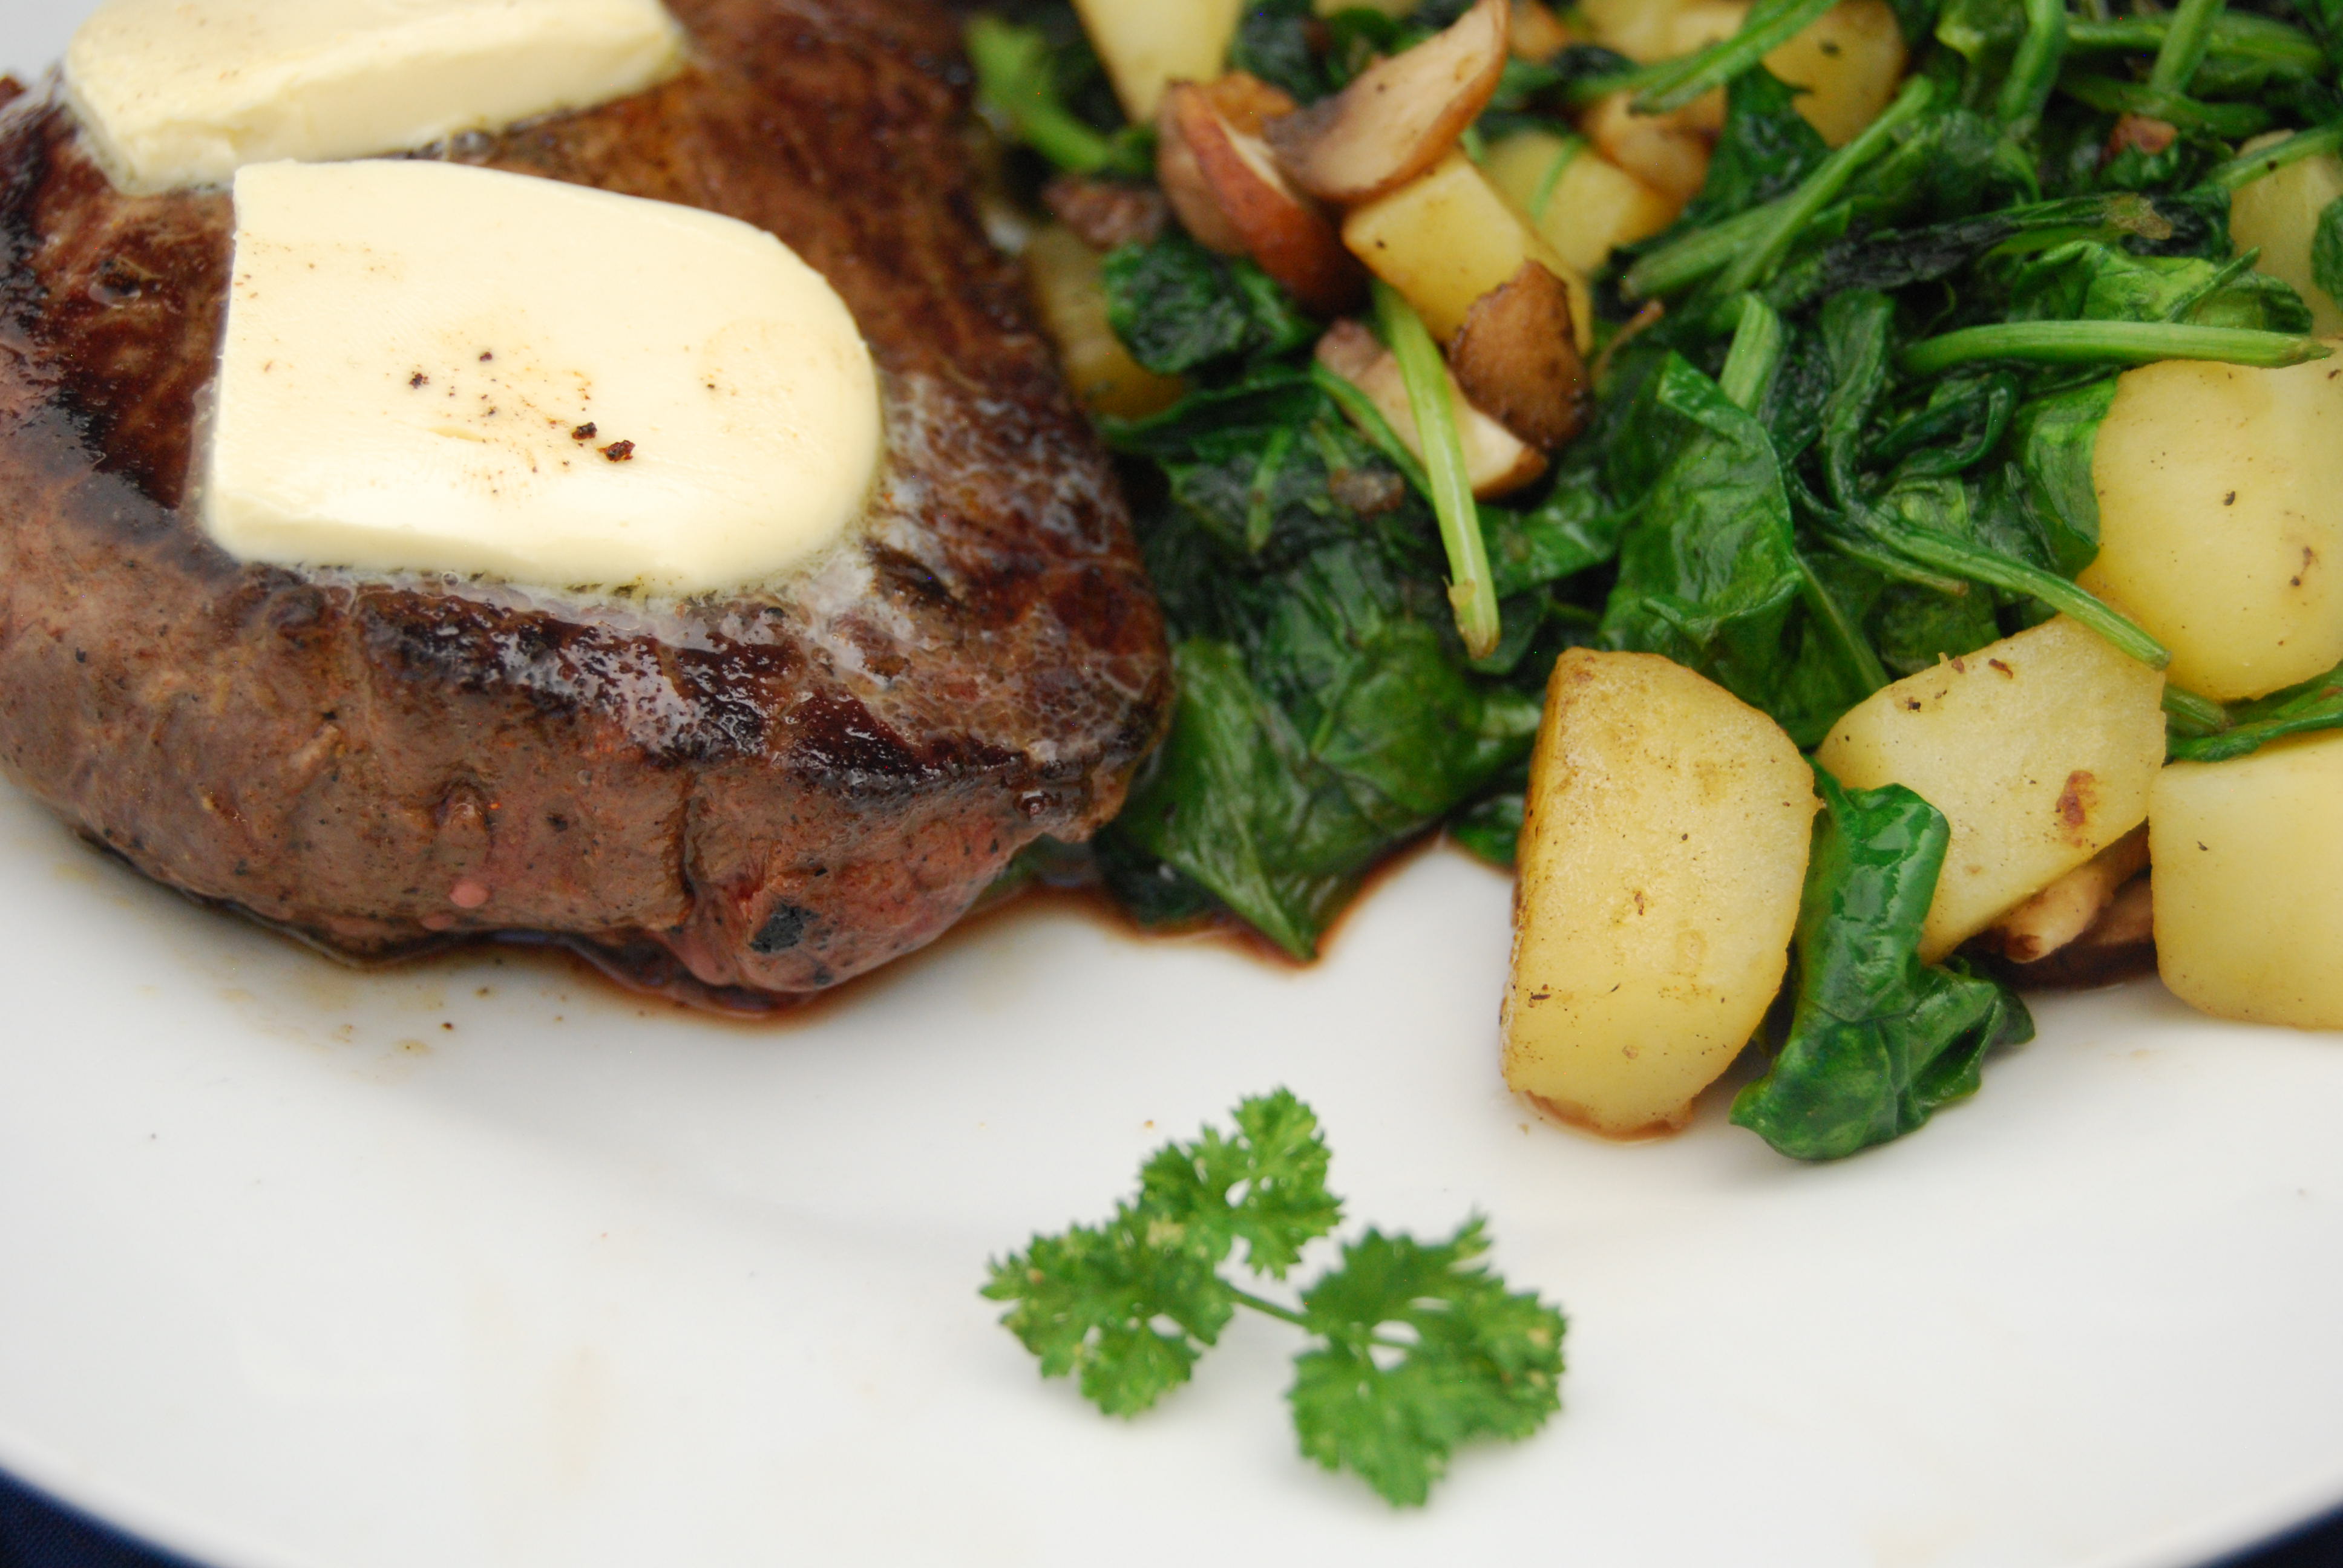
<point x="2119" y="946"/>
<point x="2064" y="912"/>
<point x="1230" y="194"/>
<point x="1400" y="115"/>
<point x="2092" y="926"/>
<point x="1516" y="357"/>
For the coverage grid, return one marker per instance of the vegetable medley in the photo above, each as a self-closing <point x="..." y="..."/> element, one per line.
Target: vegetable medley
<point x="1889" y="443"/>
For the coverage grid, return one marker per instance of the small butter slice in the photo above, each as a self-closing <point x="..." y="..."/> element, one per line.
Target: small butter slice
<point x="434" y="368"/>
<point x="184" y="91"/>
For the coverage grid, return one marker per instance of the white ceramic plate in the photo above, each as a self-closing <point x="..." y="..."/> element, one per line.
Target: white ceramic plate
<point x="478" y="1263"/>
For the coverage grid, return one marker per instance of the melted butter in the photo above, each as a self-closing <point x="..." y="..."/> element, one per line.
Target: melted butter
<point x="431" y="367"/>
<point x="185" y="92"/>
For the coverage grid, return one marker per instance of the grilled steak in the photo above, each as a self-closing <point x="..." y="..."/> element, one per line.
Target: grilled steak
<point x="734" y="798"/>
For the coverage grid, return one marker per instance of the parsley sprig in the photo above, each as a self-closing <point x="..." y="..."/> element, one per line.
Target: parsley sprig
<point x="1419" y="1347"/>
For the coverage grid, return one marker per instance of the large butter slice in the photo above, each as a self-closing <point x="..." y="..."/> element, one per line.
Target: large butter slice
<point x="184" y="91"/>
<point x="434" y="368"/>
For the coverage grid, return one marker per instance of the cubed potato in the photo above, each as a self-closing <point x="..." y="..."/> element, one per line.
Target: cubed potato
<point x="1145" y="44"/>
<point x="2278" y="215"/>
<point x="2249" y="883"/>
<point x="1537" y="34"/>
<point x="1446" y="238"/>
<point x="1667" y="153"/>
<point x="1661" y="858"/>
<point x="1591" y="207"/>
<point x="2039" y="750"/>
<point x="2220" y="493"/>
<point x="1643" y="30"/>
<point x="1693" y="28"/>
<point x="1850" y="62"/>
<point x="1063" y="275"/>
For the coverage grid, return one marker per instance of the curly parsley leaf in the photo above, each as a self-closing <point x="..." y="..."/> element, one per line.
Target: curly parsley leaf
<point x="1424" y="1350"/>
<point x="1279" y="1162"/>
<point x="1419" y="1347"/>
<point x="1126" y="1307"/>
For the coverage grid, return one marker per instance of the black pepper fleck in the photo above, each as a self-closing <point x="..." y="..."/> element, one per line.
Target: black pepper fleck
<point x="584" y="432"/>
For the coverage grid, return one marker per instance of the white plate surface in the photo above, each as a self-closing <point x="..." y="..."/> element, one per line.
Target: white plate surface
<point x="479" y="1263"/>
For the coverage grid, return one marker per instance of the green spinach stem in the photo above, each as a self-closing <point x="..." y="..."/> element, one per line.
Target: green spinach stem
<point x="2257" y="40"/>
<point x="1940" y="550"/>
<point x="1571" y="148"/>
<point x="1688" y="260"/>
<point x="2107" y="343"/>
<point x="1789" y="215"/>
<point x="2241" y="172"/>
<point x="1471" y="591"/>
<point x="1012" y="73"/>
<point x="2192" y="715"/>
<point x="2185" y="42"/>
<point x="1758" y="340"/>
<point x="1770" y="24"/>
<point x="2035" y="71"/>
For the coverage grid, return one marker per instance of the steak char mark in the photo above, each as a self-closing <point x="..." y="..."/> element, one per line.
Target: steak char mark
<point x="735" y="798"/>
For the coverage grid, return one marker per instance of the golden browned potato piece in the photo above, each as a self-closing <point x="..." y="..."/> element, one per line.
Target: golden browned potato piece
<point x="1146" y="45"/>
<point x="1850" y="64"/>
<point x="2038" y="749"/>
<point x="1580" y="202"/>
<point x="1517" y="357"/>
<point x="1664" y="152"/>
<point x="1662" y="859"/>
<point x="1643" y="30"/>
<point x="1496" y="461"/>
<point x="1446" y="238"/>
<point x="2249" y="883"/>
<point x="1693" y="28"/>
<point x="2278" y="214"/>
<point x="1537" y="34"/>
<point x="1232" y="195"/>
<point x="2220" y="494"/>
<point x="1062" y="274"/>
<point x="1400" y="115"/>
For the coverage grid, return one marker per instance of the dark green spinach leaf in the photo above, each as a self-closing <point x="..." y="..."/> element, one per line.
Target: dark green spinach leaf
<point x="1878" y="1041"/>
<point x="1179" y="307"/>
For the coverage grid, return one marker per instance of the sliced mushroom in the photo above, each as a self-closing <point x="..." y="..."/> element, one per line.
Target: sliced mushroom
<point x="2120" y="944"/>
<point x="1516" y="357"/>
<point x="1231" y="195"/>
<point x="1400" y="115"/>
<point x="1496" y="461"/>
<point x="2070" y="907"/>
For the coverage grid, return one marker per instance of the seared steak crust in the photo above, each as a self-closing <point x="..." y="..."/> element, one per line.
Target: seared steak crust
<point x="761" y="792"/>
